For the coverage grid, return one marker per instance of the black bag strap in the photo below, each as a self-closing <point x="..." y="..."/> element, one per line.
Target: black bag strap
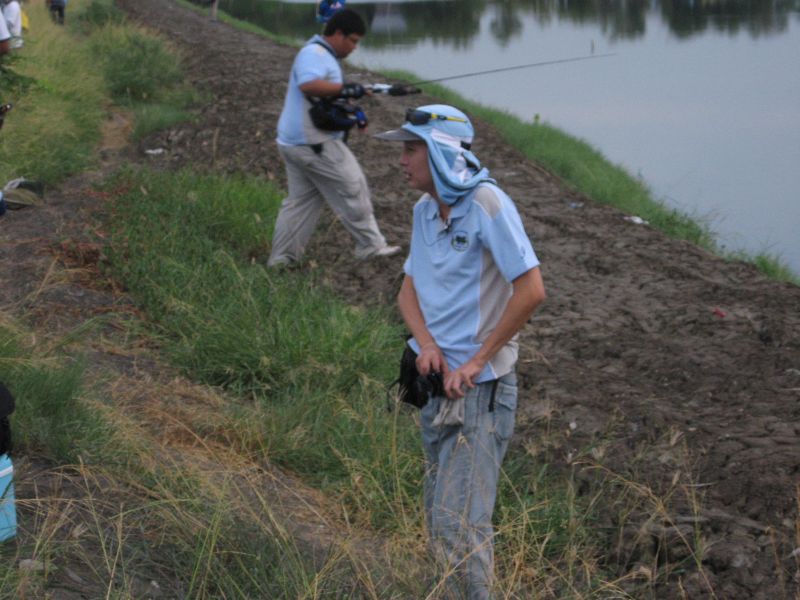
<point x="328" y="48"/>
<point x="494" y="393"/>
<point x="312" y="99"/>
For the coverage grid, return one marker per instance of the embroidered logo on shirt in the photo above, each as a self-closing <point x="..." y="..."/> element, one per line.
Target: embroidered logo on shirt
<point x="460" y="241"/>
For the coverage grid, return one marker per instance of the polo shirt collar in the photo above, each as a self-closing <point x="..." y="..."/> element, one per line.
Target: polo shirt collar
<point x="457" y="210"/>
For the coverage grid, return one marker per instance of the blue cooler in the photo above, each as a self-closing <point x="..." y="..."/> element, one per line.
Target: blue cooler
<point x="8" y="513"/>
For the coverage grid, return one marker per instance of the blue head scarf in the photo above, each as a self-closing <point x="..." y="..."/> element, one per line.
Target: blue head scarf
<point x="448" y="135"/>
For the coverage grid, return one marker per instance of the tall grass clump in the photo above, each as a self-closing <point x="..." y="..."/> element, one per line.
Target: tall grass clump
<point x="51" y="419"/>
<point x="140" y="70"/>
<point x="189" y="248"/>
<point x="99" y="14"/>
<point x="136" y="66"/>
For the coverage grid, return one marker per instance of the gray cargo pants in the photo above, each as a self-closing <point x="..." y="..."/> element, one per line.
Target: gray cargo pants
<point x="333" y="176"/>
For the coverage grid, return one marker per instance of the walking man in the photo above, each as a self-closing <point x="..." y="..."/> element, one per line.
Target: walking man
<point x="319" y="166"/>
<point x="471" y="282"/>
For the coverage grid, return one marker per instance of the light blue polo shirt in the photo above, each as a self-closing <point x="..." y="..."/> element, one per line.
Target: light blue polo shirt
<point x="312" y="62"/>
<point x="462" y="272"/>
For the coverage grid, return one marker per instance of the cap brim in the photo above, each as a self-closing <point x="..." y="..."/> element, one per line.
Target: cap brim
<point x="398" y="135"/>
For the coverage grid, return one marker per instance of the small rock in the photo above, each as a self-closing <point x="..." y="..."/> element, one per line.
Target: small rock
<point x="30" y="564"/>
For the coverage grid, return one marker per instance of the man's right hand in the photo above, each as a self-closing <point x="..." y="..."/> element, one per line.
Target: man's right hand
<point x="352" y="90"/>
<point x="431" y="360"/>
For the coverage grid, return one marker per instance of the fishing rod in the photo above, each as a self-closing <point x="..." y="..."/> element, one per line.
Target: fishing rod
<point x="402" y="90"/>
<point x="527" y="66"/>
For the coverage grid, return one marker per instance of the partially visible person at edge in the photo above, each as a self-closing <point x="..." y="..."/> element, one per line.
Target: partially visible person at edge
<point x="472" y="280"/>
<point x="319" y="166"/>
<point x="57" y="8"/>
<point x="12" y="14"/>
<point x="327" y="8"/>
<point x="5" y="38"/>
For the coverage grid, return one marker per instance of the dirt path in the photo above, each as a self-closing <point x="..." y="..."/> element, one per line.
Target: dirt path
<point x="651" y="359"/>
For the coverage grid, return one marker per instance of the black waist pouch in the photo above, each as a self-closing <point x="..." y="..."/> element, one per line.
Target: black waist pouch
<point x="410" y="392"/>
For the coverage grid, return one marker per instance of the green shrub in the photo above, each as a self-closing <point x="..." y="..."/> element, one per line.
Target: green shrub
<point x="140" y="67"/>
<point x="100" y="13"/>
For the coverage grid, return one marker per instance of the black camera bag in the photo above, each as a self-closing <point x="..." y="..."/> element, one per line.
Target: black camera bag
<point x="333" y="115"/>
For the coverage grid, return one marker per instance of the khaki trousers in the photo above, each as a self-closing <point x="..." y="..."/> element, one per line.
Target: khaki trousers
<point x="333" y="176"/>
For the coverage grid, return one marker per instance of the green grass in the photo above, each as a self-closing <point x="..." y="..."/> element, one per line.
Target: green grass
<point x="131" y="513"/>
<point x="190" y="249"/>
<point x="50" y="420"/>
<point x="54" y="128"/>
<point x="136" y="66"/>
<point x="240" y="24"/>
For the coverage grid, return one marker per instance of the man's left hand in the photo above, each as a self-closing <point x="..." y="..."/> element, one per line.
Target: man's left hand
<point x="456" y="383"/>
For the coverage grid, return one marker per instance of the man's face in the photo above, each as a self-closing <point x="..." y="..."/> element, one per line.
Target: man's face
<point x="344" y="44"/>
<point x="417" y="171"/>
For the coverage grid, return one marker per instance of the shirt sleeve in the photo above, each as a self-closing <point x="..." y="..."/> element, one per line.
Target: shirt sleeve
<point x="503" y="234"/>
<point x="315" y="62"/>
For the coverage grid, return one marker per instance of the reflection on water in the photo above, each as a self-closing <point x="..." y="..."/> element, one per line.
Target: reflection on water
<point x="701" y="99"/>
<point x="457" y="21"/>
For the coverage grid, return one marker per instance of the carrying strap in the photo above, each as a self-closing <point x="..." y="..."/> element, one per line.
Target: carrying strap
<point x="328" y="48"/>
<point x="494" y="393"/>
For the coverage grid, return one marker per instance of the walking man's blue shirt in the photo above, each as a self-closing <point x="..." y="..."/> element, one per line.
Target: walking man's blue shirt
<point x="316" y="60"/>
<point x="463" y="272"/>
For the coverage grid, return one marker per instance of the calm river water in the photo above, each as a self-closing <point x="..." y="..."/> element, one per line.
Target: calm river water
<point x="701" y="98"/>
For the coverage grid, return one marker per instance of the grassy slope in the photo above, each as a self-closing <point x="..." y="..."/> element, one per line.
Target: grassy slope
<point x="268" y="339"/>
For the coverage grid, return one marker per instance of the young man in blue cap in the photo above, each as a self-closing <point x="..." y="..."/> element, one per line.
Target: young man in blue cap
<point x="471" y="282"/>
<point x="320" y="168"/>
